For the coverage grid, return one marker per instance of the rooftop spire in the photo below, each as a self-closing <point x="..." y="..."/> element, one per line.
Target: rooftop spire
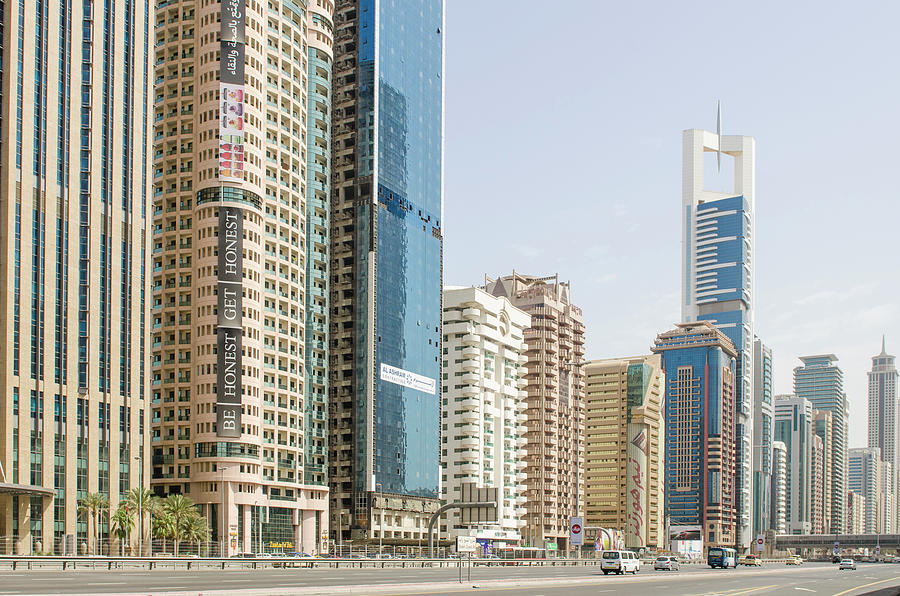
<point x="883" y="352"/>
<point x="719" y="135"/>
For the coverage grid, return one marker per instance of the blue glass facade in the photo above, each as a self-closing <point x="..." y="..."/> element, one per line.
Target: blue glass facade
<point x="699" y="456"/>
<point x="409" y="245"/>
<point x="723" y="295"/>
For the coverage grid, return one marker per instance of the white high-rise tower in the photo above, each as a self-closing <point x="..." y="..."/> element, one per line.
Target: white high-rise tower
<point x="717" y="274"/>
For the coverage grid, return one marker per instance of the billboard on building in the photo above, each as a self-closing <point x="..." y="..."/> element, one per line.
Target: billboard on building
<point x="231" y="91"/>
<point x="637" y="505"/>
<point x="229" y="322"/>
<point x="686" y="540"/>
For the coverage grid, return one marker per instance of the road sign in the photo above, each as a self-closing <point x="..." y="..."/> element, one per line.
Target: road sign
<point x="466" y="544"/>
<point x="552" y="546"/>
<point x="576" y="536"/>
<point x="476" y="494"/>
<point x="760" y="542"/>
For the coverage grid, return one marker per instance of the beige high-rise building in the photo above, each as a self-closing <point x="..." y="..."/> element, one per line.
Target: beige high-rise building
<point x="74" y="192"/>
<point x="555" y="404"/>
<point x="856" y="513"/>
<point x="241" y="176"/>
<point x="624" y="448"/>
<point x="817" y="485"/>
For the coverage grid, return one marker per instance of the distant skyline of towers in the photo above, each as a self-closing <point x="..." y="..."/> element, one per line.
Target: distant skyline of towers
<point x="555" y="403"/>
<point x="483" y="400"/>
<point x="624" y="447"/>
<point x="821" y="381"/>
<point x="718" y="246"/>
<point x="700" y="365"/>
<point x="386" y="270"/>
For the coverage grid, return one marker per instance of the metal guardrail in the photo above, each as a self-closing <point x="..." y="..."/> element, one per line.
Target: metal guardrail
<point x="191" y="563"/>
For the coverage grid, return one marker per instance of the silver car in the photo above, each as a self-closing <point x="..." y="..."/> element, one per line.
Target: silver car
<point x="666" y="563"/>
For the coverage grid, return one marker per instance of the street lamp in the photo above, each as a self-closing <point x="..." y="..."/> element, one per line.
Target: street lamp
<point x="224" y="515"/>
<point x="570" y="365"/>
<point x="378" y="489"/>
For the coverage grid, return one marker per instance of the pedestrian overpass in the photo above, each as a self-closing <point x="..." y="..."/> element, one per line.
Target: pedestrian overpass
<point x="827" y="541"/>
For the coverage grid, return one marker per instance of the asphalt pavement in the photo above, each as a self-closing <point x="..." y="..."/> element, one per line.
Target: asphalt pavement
<point x="770" y="579"/>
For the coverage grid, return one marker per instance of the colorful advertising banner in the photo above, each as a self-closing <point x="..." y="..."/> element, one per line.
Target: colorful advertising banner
<point x="231" y="133"/>
<point x="231" y="91"/>
<point x="636" y="503"/>
<point x="228" y="369"/>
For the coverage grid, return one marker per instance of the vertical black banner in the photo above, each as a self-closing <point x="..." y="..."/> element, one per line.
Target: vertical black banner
<point x="228" y="379"/>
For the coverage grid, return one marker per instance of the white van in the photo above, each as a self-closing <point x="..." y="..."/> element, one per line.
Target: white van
<point x="619" y="561"/>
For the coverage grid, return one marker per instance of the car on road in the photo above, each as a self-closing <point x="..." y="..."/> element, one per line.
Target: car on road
<point x="750" y="560"/>
<point x="847" y="564"/>
<point x="794" y="560"/>
<point x="895" y="560"/>
<point x="619" y="561"/>
<point x="666" y="563"/>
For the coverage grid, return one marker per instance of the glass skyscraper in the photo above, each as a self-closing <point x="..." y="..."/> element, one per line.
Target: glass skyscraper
<point x="386" y="267"/>
<point x="822" y="382"/>
<point x="74" y="261"/>
<point x="763" y="428"/>
<point x="717" y="276"/>
<point x="699" y="363"/>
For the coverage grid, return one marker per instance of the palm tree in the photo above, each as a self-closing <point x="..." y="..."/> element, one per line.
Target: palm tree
<point x="196" y="530"/>
<point x="144" y="503"/>
<point x="93" y="506"/>
<point x="162" y="526"/>
<point x="121" y="523"/>
<point x="180" y="509"/>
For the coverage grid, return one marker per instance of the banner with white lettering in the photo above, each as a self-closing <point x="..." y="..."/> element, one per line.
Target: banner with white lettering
<point x="230" y="276"/>
<point x="228" y="384"/>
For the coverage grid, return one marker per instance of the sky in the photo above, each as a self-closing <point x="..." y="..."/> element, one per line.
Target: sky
<point x="563" y="155"/>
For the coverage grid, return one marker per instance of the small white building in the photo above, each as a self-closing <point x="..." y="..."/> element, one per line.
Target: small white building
<point x="483" y="410"/>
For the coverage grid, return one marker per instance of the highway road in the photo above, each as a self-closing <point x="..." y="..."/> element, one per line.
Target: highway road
<point x="771" y="579"/>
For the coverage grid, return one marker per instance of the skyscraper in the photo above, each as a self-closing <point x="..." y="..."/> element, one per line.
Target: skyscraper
<point x="821" y="382"/>
<point x="763" y="428"/>
<point x="624" y="436"/>
<point x="555" y="404"/>
<point x="856" y="513"/>
<point x="779" y="487"/>
<point x="817" y="485"/>
<point x="386" y="265"/>
<point x="240" y="186"/>
<point x="75" y="191"/>
<point x="884" y="409"/>
<point x="794" y="428"/>
<point x="699" y="364"/>
<point x="718" y="275"/>
<point x="483" y="410"/>
<point x="823" y="428"/>
<point x="864" y="471"/>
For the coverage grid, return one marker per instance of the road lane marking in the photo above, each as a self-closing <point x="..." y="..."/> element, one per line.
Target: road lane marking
<point x="804" y="589"/>
<point x="108" y="584"/>
<point x="891" y="579"/>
